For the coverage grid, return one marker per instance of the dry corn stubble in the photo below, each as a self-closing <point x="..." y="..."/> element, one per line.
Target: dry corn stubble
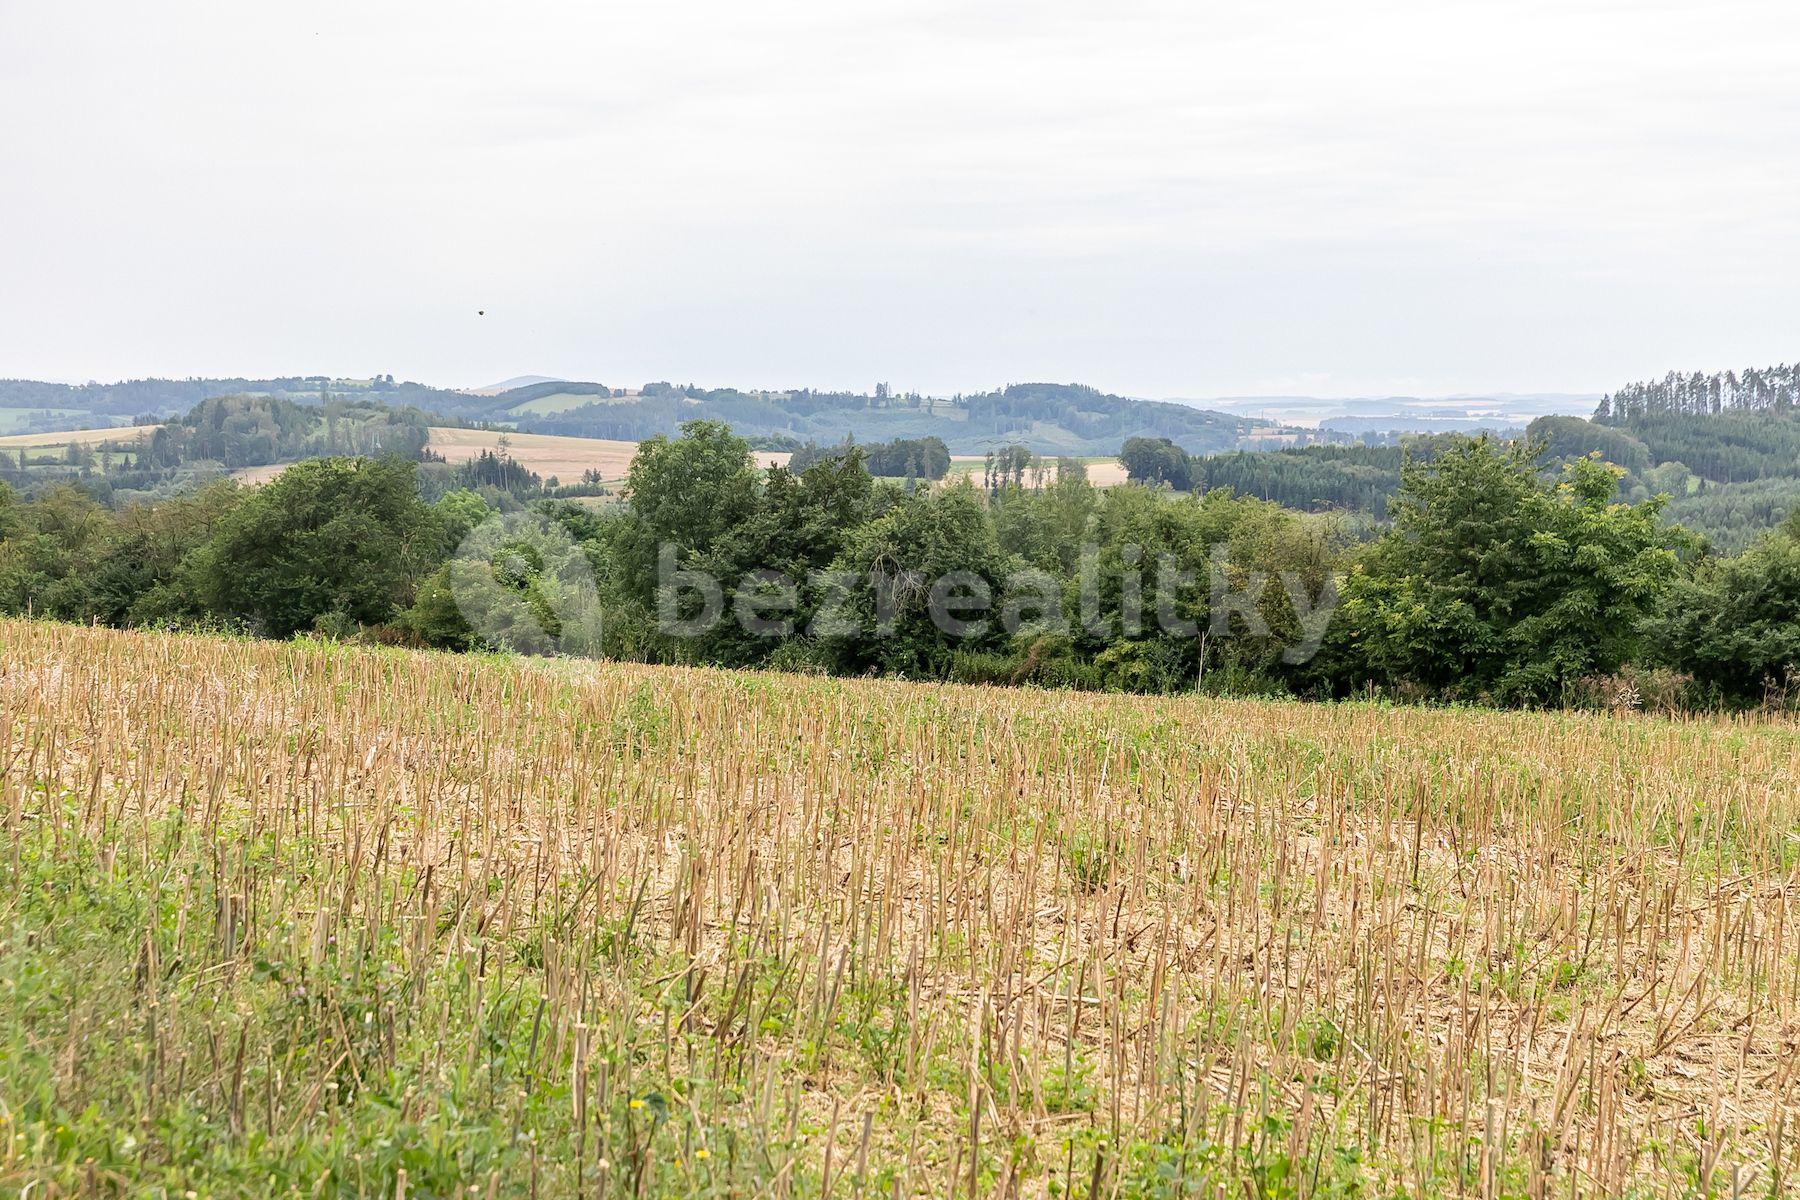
<point x="297" y="919"/>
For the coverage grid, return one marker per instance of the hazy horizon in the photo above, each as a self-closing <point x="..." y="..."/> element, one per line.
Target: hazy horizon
<point x="1271" y="398"/>
<point x="1163" y="201"/>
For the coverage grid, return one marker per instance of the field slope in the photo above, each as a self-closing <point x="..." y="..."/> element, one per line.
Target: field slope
<point x="283" y="919"/>
<point x="548" y="455"/>
<point x="83" y="437"/>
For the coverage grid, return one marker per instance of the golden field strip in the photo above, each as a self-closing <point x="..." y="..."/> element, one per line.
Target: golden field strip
<point x="548" y="455"/>
<point x="566" y="458"/>
<point x="291" y="919"/>
<point x="84" y="437"/>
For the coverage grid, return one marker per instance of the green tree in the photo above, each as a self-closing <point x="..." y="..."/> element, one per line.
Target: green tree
<point x="331" y="537"/>
<point x="461" y="510"/>
<point x="45" y="560"/>
<point x="434" y="618"/>
<point x="694" y="488"/>
<point x="1494" y="583"/>
<point x="1045" y="526"/>
<point x="1155" y="461"/>
<point x="684" y="493"/>
<point x="1735" y="624"/>
<point x="766" y="565"/>
<point x="136" y="577"/>
<point x="1158" y="565"/>
<point x="928" y="539"/>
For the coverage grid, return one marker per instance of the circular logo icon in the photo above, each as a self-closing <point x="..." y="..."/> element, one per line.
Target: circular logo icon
<point x="524" y="585"/>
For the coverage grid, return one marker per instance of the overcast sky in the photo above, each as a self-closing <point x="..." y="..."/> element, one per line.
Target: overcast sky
<point x="1183" y="199"/>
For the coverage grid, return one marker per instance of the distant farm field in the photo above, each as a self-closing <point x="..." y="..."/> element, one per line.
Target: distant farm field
<point x="564" y="457"/>
<point x="558" y="402"/>
<point x="256" y="476"/>
<point x="85" y="437"/>
<point x="300" y="919"/>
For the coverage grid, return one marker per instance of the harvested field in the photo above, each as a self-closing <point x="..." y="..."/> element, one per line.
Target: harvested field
<point x="564" y="457"/>
<point x="291" y="919"/>
<point x="86" y="437"/>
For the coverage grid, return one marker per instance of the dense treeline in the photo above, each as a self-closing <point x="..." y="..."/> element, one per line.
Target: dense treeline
<point x="1733" y="447"/>
<point x="1574" y="437"/>
<point x="337" y="547"/>
<point x="1493" y="583"/>
<point x="1734" y="516"/>
<point x="251" y="431"/>
<point x="1730" y="476"/>
<point x="1698" y="394"/>
<point x="217" y="436"/>
<point x="1355" y="478"/>
<point x="494" y="475"/>
<point x="903" y="458"/>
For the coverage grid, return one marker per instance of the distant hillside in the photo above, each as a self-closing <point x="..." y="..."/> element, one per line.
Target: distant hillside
<point x="28" y="405"/>
<point x="1048" y="418"/>
<point x="507" y="385"/>
<point x="1731" y="474"/>
<point x="1756" y="389"/>
<point x="1725" y="448"/>
<point x="218" y="436"/>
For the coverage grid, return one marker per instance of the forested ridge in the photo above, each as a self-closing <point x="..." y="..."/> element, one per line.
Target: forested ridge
<point x="155" y="398"/>
<point x="924" y="458"/>
<point x="1353" y="478"/>
<point x="1724" y="447"/>
<point x="229" y="434"/>
<point x="1047" y="418"/>
<point x="1050" y="418"/>
<point x="1757" y="389"/>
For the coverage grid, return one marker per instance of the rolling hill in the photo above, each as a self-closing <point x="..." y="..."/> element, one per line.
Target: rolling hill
<point x="1048" y="418"/>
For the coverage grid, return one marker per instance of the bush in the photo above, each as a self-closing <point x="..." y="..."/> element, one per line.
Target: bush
<point x="1735" y="625"/>
<point x="332" y="536"/>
